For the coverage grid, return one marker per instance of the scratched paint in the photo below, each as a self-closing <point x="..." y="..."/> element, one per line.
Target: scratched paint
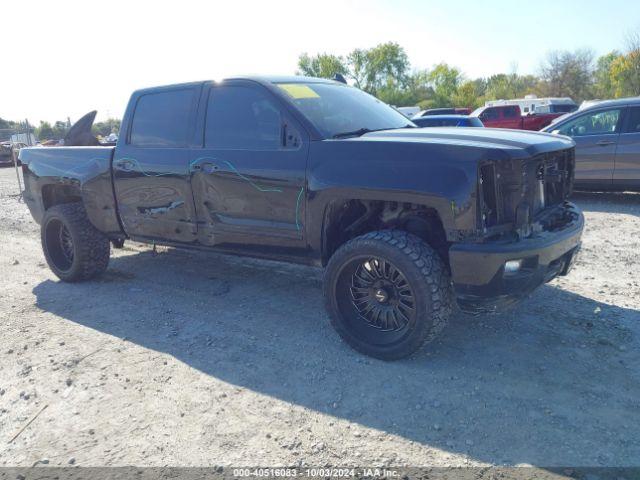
<point x="70" y="171"/>
<point x="139" y="169"/>
<point x="158" y="210"/>
<point x="243" y="177"/>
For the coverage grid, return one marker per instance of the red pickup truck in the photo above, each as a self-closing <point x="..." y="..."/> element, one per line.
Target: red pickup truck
<point x="510" y="116"/>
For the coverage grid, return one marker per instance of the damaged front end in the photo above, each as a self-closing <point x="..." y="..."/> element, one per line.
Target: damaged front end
<point x="528" y="233"/>
<point x="518" y="197"/>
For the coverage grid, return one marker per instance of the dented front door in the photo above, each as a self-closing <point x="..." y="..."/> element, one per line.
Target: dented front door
<point x="248" y="177"/>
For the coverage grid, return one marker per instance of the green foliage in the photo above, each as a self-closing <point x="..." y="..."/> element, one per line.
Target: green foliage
<point x="445" y="81"/>
<point x="109" y="126"/>
<point x="603" y="79"/>
<point x="512" y="85"/>
<point x="382" y="70"/>
<point x="8" y="124"/>
<point x="46" y="131"/>
<point x="323" y="65"/>
<point x="625" y="70"/>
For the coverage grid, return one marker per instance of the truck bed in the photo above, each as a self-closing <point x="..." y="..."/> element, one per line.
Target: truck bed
<point x="83" y="171"/>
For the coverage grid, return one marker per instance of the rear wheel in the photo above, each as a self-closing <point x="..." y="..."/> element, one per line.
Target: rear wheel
<point x="74" y="249"/>
<point x="387" y="292"/>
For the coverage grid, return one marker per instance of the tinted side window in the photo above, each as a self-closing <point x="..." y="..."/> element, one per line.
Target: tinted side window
<point x="596" y="123"/>
<point x="424" y="122"/>
<point x="162" y="119"/>
<point x="490" y="114"/>
<point x="633" y="123"/>
<point x="242" y="118"/>
<point x="510" y="112"/>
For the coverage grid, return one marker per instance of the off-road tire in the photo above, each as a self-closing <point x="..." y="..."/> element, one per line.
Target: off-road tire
<point x="90" y="248"/>
<point x="424" y="271"/>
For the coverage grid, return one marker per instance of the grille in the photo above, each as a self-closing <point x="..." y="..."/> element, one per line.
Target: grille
<point x="514" y="192"/>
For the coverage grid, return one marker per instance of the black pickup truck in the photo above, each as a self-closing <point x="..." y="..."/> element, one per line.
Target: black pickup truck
<point x="407" y="222"/>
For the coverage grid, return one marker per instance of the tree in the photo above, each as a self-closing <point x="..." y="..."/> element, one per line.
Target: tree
<point x="603" y="86"/>
<point x="109" y="126"/>
<point x="44" y="131"/>
<point x="625" y="69"/>
<point x="568" y="74"/>
<point x="322" y="65"/>
<point x="468" y="94"/>
<point x="511" y="85"/>
<point x="445" y="81"/>
<point x="7" y="124"/>
<point x="383" y="68"/>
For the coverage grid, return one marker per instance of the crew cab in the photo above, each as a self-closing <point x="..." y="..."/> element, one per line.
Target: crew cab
<point x="510" y="116"/>
<point x="407" y="222"/>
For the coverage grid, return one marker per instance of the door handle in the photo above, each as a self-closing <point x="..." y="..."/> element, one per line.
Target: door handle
<point x="604" y="143"/>
<point x="125" y="165"/>
<point x="209" y="167"/>
<point x="205" y="167"/>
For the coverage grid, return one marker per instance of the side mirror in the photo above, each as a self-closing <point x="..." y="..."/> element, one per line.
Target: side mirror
<point x="555" y="132"/>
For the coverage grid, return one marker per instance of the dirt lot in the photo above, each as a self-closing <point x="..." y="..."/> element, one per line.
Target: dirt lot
<point x="192" y="359"/>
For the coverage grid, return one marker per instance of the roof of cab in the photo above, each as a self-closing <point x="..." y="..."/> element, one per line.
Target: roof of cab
<point x="612" y="103"/>
<point x="269" y="79"/>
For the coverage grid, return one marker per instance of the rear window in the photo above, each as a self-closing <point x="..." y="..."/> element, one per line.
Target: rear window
<point x="162" y="119"/>
<point x="490" y="114"/>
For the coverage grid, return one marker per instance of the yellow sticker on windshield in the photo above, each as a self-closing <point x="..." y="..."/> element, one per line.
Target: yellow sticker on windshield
<point x="298" y="90"/>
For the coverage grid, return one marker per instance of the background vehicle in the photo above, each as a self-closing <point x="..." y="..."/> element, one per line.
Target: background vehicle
<point x="408" y="112"/>
<point x="314" y="171"/>
<point x="510" y="116"/>
<point x="607" y="136"/>
<point x="443" y="111"/>
<point x="448" y="121"/>
<point x="6" y="157"/>
<point x="532" y="104"/>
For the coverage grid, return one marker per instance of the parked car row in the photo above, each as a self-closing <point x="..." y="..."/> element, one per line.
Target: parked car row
<point x="447" y="121"/>
<point x="510" y="116"/>
<point x="606" y="133"/>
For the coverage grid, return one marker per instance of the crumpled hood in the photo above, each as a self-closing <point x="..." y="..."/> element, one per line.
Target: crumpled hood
<point x="516" y="142"/>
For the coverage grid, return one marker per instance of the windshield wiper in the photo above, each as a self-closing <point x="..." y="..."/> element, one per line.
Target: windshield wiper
<point x="354" y="133"/>
<point x="362" y="131"/>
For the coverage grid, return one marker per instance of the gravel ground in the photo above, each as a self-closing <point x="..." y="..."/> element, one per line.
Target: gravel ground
<point x="196" y="359"/>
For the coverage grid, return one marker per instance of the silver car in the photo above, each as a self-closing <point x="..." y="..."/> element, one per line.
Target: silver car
<point x="607" y="136"/>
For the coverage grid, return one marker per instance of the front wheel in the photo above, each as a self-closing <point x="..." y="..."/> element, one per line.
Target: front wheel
<point x="74" y="249"/>
<point x="387" y="292"/>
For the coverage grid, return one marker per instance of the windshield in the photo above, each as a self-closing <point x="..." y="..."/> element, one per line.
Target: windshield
<point x="337" y="109"/>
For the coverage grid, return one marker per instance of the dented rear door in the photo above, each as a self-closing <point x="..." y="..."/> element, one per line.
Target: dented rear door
<point x="151" y="165"/>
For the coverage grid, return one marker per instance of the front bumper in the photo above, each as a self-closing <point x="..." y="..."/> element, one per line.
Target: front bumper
<point x="480" y="281"/>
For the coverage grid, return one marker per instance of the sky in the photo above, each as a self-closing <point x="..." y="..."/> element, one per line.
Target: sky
<point x="69" y="57"/>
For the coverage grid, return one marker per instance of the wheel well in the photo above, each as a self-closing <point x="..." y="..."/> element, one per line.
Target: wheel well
<point x="352" y="218"/>
<point x="59" y="194"/>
